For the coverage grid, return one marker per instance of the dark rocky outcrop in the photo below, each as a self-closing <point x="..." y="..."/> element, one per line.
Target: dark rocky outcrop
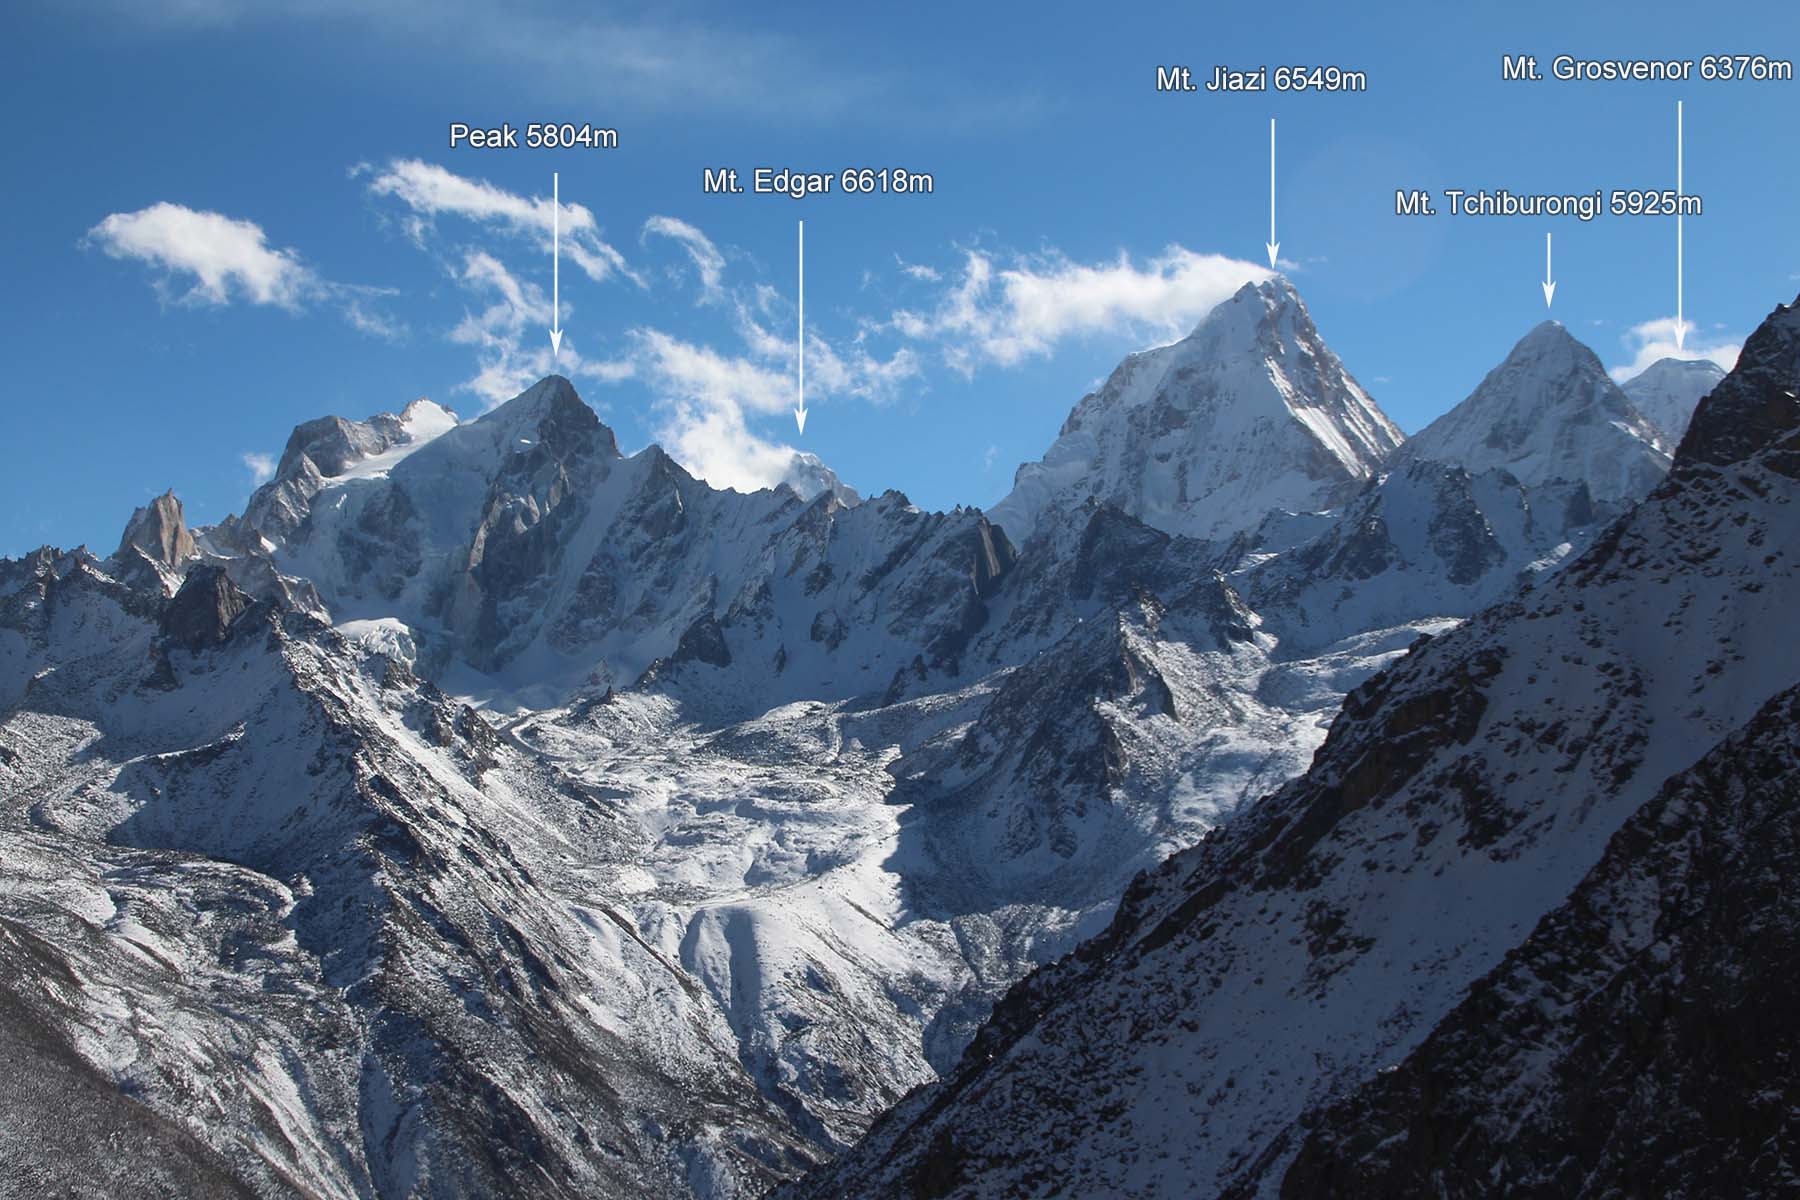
<point x="203" y="612"/>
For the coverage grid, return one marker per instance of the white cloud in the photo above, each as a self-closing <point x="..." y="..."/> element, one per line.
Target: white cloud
<point x="227" y="259"/>
<point x="261" y="466"/>
<point x="918" y="271"/>
<point x="691" y="374"/>
<point x="1005" y="315"/>
<point x="715" y="444"/>
<point x="706" y="257"/>
<point x="510" y="335"/>
<point x="707" y="397"/>
<point x="429" y="191"/>
<point x="1654" y="340"/>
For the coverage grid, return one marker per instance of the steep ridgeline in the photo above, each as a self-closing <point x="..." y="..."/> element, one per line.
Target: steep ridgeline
<point x="1248" y="415"/>
<point x="1524" y="472"/>
<point x="1668" y="391"/>
<point x="1521" y="929"/>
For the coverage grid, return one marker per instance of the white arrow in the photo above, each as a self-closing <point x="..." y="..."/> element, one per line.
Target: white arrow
<point x="1549" y="284"/>
<point x="1680" y="325"/>
<point x="800" y="382"/>
<point x="555" y="265"/>
<point x="1274" y="247"/>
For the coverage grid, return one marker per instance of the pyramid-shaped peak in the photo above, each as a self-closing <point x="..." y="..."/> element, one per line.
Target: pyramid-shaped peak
<point x="1550" y="411"/>
<point x="1254" y="305"/>
<point x="550" y="408"/>
<point x="552" y="391"/>
<point x="1550" y="337"/>
<point x="1249" y="415"/>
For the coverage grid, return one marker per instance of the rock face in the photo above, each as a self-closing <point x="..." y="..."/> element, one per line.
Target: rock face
<point x="1668" y="391"/>
<point x="1249" y="414"/>
<point x="1550" y="412"/>
<point x="1509" y="873"/>
<point x="160" y="533"/>
<point x="204" y="610"/>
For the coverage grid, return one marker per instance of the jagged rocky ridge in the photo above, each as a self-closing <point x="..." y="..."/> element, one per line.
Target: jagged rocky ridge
<point x="1508" y="935"/>
<point x="556" y="823"/>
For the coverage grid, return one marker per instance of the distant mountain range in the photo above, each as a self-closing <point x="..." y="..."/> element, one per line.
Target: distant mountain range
<point x="485" y="811"/>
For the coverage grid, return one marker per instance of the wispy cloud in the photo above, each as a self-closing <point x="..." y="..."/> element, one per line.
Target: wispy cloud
<point x="1654" y="340"/>
<point x="508" y="333"/>
<point x="260" y="466"/>
<point x="1004" y="315"/>
<point x="918" y="271"/>
<point x="708" y="262"/>
<point x="430" y="191"/>
<point x="706" y="397"/>
<point x="209" y="259"/>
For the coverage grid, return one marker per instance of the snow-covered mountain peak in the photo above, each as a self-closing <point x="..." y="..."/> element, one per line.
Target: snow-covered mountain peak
<point x="1550" y="411"/>
<point x="1668" y="390"/>
<point x="425" y="419"/>
<point x="549" y="408"/>
<point x="808" y="475"/>
<point x="1249" y="414"/>
<point x="1254" y="313"/>
<point x="1453" y="932"/>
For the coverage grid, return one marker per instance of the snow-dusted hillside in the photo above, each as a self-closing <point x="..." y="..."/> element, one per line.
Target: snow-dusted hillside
<point x="1503" y="777"/>
<point x="1248" y="415"/>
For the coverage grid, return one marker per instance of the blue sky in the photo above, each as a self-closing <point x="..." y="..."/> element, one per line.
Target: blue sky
<point x="219" y="222"/>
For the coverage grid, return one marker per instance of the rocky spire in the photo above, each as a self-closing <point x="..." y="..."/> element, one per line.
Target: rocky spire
<point x="160" y="532"/>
